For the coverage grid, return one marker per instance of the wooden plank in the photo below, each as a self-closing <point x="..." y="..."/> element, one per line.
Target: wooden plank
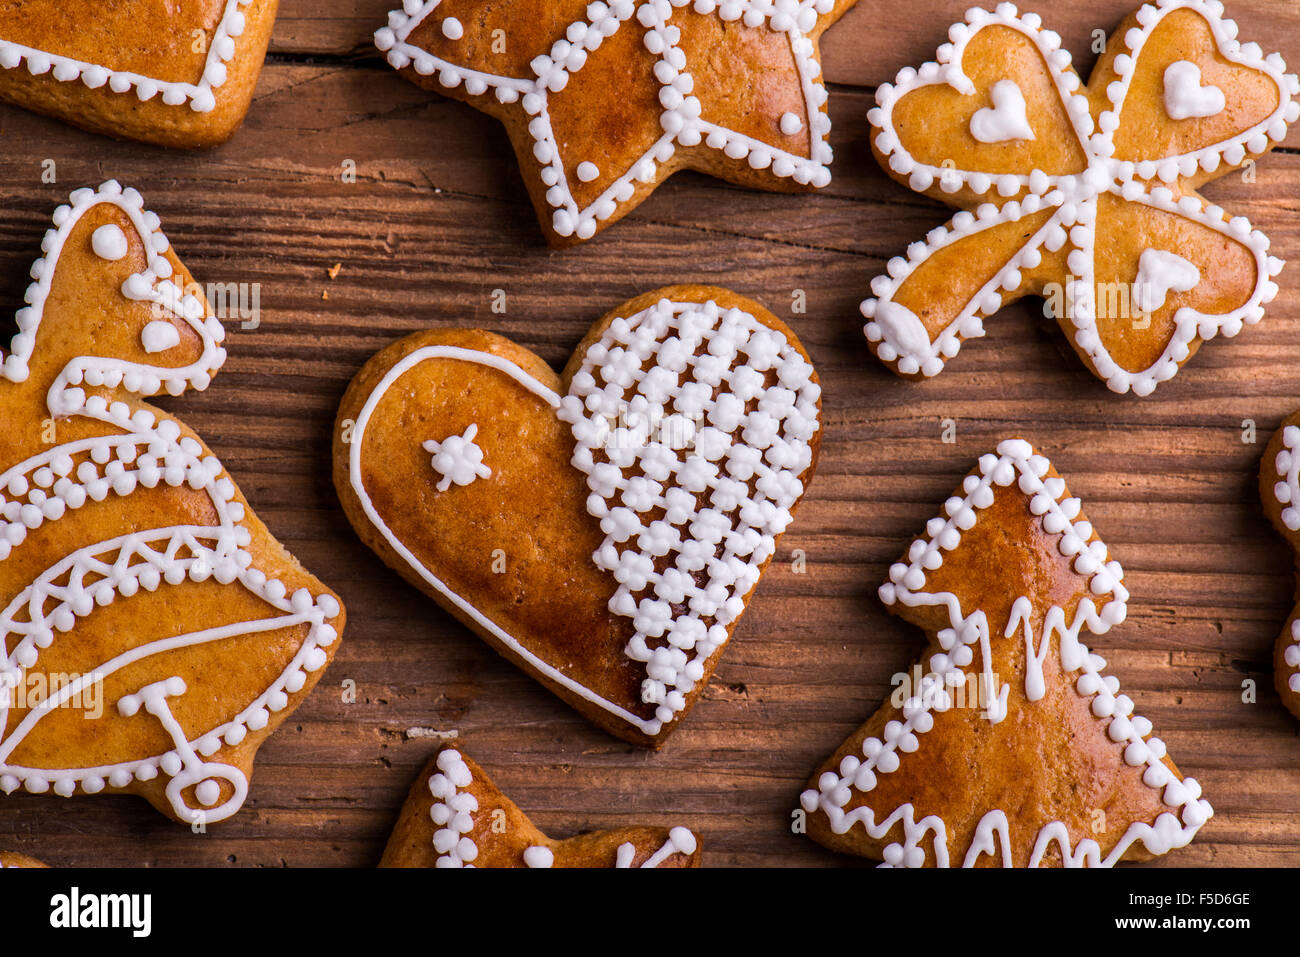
<point x="437" y="220"/>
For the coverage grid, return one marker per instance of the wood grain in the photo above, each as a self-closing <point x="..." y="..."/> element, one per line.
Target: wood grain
<point x="438" y="219"/>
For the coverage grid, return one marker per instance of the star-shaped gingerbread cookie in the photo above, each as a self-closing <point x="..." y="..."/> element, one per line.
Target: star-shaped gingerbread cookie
<point x="603" y="101"/>
<point x="1085" y="195"/>
<point x="1006" y="744"/>
<point x="456" y="817"/>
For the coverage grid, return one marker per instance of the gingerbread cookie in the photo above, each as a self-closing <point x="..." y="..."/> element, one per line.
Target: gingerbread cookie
<point x="168" y="73"/>
<point x="20" y="860"/>
<point x="602" y="529"/>
<point x="1279" y="487"/>
<point x="604" y="101"/>
<point x="1013" y="749"/>
<point x="456" y="817"/>
<point x="154" y="633"/>
<point x="1083" y="195"/>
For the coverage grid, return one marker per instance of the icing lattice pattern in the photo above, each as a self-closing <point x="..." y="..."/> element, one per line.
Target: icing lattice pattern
<point x="693" y="425"/>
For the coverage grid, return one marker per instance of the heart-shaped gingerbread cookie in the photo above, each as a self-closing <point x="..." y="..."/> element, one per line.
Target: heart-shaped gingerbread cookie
<point x="1085" y="195"/>
<point x="1013" y="748"/>
<point x="456" y="817"/>
<point x="602" y="529"/>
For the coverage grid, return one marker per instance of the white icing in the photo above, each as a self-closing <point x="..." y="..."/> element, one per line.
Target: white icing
<point x="791" y="124"/>
<point x="1185" y="96"/>
<point x="1006" y="119"/>
<point x="109" y="242"/>
<point x="1073" y="196"/>
<point x="711" y="510"/>
<point x="714" y="506"/>
<point x="138" y="451"/>
<point x="539" y="856"/>
<point x="683" y="126"/>
<point x="680" y="841"/>
<point x="903" y="326"/>
<point x="1286" y="468"/>
<point x="452" y="29"/>
<point x="200" y="95"/>
<point x="458" y="459"/>
<point x="453" y="811"/>
<point x="1160" y="271"/>
<point x="159" y="336"/>
<point x="1015" y="462"/>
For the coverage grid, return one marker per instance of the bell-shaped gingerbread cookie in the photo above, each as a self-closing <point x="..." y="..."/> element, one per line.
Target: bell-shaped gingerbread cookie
<point x="1006" y="745"/>
<point x="154" y="632"/>
<point x="456" y="817"/>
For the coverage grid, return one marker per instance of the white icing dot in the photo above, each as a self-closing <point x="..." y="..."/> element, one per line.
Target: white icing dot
<point x="159" y="336"/>
<point x="208" y="793"/>
<point x="791" y="124"/>
<point x="109" y="242"/>
<point x="588" y="171"/>
<point x="452" y="29"/>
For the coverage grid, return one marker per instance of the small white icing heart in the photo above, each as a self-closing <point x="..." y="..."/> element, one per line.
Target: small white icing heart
<point x="1159" y="272"/>
<point x="1185" y="97"/>
<point x="1006" y="119"/>
<point x="902" y="329"/>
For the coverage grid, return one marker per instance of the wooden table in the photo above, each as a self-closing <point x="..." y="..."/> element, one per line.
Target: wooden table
<point x="438" y="219"/>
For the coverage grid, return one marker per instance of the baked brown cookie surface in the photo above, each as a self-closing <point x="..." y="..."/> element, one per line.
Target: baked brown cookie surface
<point x="154" y="632"/>
<point x="8" y="859"/>
<point x="603" y="529"/>
<point x="456" y="817"/>
<point x="1006" y="744"/>
<point x="175" y="74"/>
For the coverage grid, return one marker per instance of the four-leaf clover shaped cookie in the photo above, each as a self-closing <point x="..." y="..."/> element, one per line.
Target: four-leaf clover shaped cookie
<point x="1084" y="195"/>
<point x="605" y="100"/>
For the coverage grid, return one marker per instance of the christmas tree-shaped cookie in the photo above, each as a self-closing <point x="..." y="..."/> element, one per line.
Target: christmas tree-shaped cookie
<point x="1008" y="745"/>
